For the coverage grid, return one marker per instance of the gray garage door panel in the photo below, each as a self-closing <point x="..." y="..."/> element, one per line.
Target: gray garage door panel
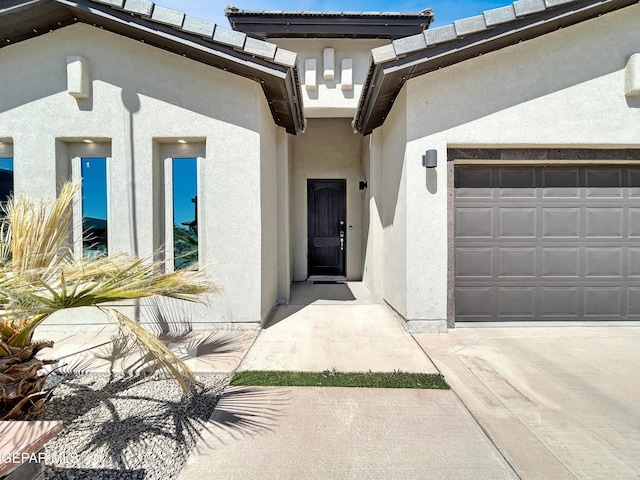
<point x="547" y="243"/>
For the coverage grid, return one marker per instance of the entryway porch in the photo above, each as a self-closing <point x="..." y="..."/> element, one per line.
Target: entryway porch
<point x="338" y="326"/>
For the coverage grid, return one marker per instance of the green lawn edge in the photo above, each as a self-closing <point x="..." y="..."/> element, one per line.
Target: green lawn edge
<point x="339" y="379"/>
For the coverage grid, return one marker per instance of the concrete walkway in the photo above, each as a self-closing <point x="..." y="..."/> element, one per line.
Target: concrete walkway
<point x="335" y="326"/>
<point x="339" y="433"/>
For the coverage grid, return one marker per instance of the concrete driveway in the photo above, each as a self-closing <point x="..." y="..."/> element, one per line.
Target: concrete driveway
<point x="558" y="402"/>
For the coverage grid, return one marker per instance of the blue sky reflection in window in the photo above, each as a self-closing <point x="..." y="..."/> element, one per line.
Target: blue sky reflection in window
<point x="185" y="207"/>
<point x="94" y="206"/>
<point x="6" y="178"/>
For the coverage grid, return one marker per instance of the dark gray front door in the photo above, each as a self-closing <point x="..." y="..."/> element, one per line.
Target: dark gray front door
<point x="547" y="243"/>
<point x="326" y="202"/>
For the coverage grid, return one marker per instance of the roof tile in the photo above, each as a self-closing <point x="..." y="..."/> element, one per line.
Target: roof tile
<point x="555" y="3"/>
<point x="383" y="54"/>
<point x="141" y="7"/>
<point x="198" y="26"/>
<point x="113" y="3"/>
<point x="260" y="48"/>
<point x="527" y="7"/>
<point x="498" y="16"/>
<point x="403" y="46"/>
<point x="229" y="37"/>
<point x="440" y="34"/>
<point x="285" y="57"/>
<point x="469" y="25"/>
<point x="167" y="16"/>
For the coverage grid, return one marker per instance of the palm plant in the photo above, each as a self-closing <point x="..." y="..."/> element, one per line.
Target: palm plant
<point x="185" y="242"/>
<point x="40" y="275"/>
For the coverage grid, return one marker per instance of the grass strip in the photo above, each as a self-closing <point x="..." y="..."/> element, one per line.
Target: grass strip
<point x="331" y="378"/>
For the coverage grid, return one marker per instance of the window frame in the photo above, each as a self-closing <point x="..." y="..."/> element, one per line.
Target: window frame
<point x="169" y="152"/>
<point x="78" y="153"/>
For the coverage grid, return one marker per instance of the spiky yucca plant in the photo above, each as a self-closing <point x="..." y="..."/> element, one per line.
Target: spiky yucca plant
<point x="40" y="275"/>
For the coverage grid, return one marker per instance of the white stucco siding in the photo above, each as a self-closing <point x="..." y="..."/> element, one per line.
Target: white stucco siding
<point x="269" y="210"/>
<point x="372" y="214"/>
<point x="329" y="99"/>
<point x="141" y="98"/>
<point x="283" y="141"/>
<point x="565" y="89"/>
<point x="394" y="209"/>
<point x="426" y="236"/>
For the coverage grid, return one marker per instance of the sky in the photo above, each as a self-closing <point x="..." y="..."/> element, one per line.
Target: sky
<point x="94" y="187"/>
<point x="444" y="11"/>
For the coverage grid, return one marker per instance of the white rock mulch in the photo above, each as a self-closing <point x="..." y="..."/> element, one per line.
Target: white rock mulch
<point x="125" y="427"/>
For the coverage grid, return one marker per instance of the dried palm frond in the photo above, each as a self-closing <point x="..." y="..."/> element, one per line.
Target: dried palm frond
<point x="40" y="275"/>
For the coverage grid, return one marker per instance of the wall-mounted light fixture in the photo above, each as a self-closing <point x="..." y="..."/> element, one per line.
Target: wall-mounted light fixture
<point x="430" y="159"/>
<point x="362" y="184"/>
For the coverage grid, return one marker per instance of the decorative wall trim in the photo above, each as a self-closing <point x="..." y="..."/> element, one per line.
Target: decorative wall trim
<point x="632" y="76"/>
<point x="310" y="74"/>
<point x="328" y="63"/>
<point x="78" y="78"/>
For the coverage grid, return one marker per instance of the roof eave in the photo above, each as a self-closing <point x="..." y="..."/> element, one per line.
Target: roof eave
<point x="390" y="75"/>
<point x="275" y="78"/>
<point x="273" y="24"/>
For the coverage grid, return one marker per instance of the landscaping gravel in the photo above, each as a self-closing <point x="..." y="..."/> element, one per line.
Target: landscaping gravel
<point x="125" y="427"/>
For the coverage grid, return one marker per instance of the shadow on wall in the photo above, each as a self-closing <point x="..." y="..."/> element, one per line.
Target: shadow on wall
<point x="394" y="138"/>
<point x="124" y="63"/>
<point x="499" y="80"/>
<point x="131" y="101"/>
<point x="431" y="179"/>
<point x="633" y="102"/>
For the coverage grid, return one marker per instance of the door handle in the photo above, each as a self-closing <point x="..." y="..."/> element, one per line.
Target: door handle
<point x="341" y="240"/>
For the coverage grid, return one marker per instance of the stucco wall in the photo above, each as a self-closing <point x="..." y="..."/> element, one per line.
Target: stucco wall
<point x="328" y="149"/>
<point x="269" y="208"/>
<point x="284" y="218"/>
<point x="394" y="205"/>
<point x="565" y="89"/>
<point x="329" y="99"/>
<point x="142" y="96"/>
<point x="372" y="214"/>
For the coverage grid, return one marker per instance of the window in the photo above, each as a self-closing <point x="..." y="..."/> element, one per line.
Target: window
<point x="6" y="178"/>
<point x="93" y="172"/>
<point x="177" y="172"/>
<point x="184" y="208"/>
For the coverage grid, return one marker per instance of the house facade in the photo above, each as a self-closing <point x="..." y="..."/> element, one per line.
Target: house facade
<point x="485" y="170"/>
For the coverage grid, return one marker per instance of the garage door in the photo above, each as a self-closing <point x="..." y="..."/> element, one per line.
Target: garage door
<point x="547" y="243"/>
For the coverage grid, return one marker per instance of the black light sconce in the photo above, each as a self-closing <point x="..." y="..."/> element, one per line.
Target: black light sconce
<point x="430" y="159"/>
<point x="362" y="184"/>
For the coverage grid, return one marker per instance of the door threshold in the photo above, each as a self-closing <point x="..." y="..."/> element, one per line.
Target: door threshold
<point x="326" y="279"/>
